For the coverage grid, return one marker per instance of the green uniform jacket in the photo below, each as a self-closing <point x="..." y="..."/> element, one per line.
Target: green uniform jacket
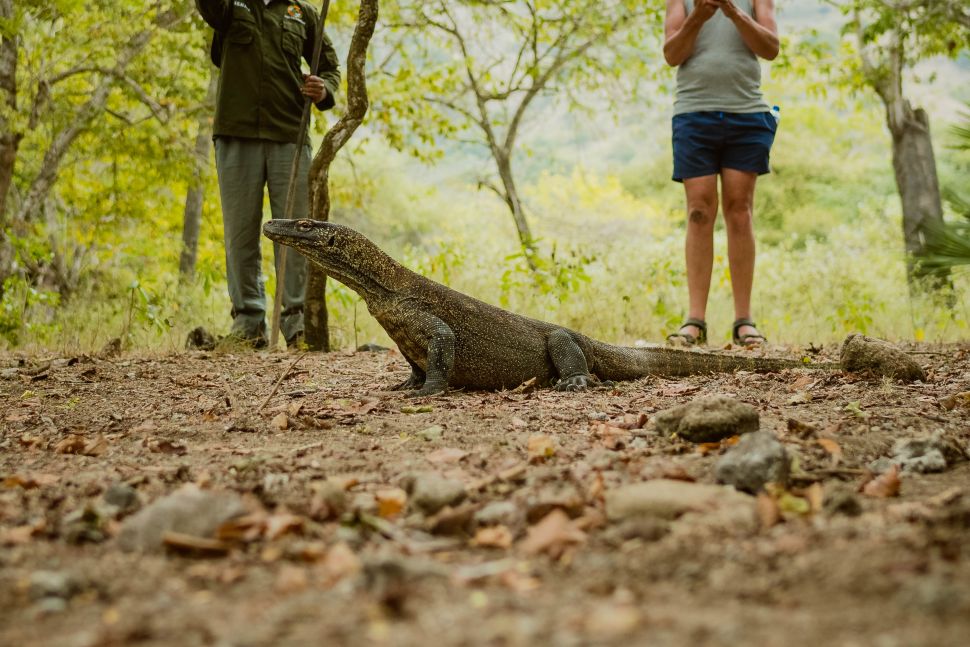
<point x="258" y="49"/>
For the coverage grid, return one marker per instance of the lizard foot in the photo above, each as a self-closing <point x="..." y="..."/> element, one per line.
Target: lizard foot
<point x="427" y="389"/>
<point x="574" y="383"/>
<point x="408" y="384"/>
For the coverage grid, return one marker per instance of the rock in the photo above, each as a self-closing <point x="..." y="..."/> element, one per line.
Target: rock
<point x="434" y="432"/>
<point x="931" y="454"/>
<point x="861" y="353"/>
<point x="561" y="496"/>
<point x="329" y="500"/>
<point x="669" y="499"/>
<point x="708" y="419"/>
<point x="53" y="584"/>
<point x="430" y="492"/>
<point x="757" y="459"/>
<point x="189" y="511"/>
<point x="200" y="339"/>
<point x="88" y="524"/>
<point x="498" y="513"/>
<point x="452" y="521"/>
<point x="123" y="498"/>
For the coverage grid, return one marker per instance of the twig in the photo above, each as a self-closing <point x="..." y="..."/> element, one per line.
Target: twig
<point x="280" y="381"/>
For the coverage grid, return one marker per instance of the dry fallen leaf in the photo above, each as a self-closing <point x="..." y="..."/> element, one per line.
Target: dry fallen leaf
<point x="553" y="535"/>
<point x="339" y="563"/>
<point x="815" y="495"/>
<point x="493" y="537"/>
<point x="281" y="422"/>
<point x="768" y="512"/>
<point x="832" y="448"/>
<point x="283" y="523"/>
<point x="611" y="437"/>
<point x="391" y="502"/>
<point x="291" y="579"/>
<point x="540" y="448"/>
<point x="885" y="485"/>
<point x="30" y="481"/>
<point x="73" y="444"/>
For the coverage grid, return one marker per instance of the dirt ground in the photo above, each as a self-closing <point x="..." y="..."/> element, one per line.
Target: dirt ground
<point x="335" y="550"/>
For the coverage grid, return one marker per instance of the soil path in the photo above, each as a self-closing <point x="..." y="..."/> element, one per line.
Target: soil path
<point x="341" y="545"/>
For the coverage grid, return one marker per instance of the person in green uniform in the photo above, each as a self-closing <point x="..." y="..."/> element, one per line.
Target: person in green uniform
<point x="259" y="46"/>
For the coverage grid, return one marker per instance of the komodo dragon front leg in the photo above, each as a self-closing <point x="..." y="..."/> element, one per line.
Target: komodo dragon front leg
<point x="428" y="332"/>
<point x="570" y="362"/>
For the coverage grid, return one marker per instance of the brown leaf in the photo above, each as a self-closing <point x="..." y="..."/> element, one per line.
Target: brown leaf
<point x="801" y="429"/>
<point x="493" y="537"/>
<point x="541" y="447"/>
<point x="391" y="502"/>
<point x="166" y="447"/>
<point x="72" y="444"/>
<point x="768" y="512"/>
<point x="21" y="534"/>
<point x="611" y="437"/>
<point x="832" y="448"/>
<point x="283" y="523"/>
<point x="190" y="544"/>
<point x="816" y="497"/>
<point x="281" y="422"/>
<point x="554" y="535"/>
<point x="885" y="485"/>
<point x="291" y="579"/>
<point x="30" y="481"/>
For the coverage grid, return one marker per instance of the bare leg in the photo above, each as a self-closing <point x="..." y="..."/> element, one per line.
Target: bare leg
<point x="737" y="190"/>
<point x="699" y="248"/>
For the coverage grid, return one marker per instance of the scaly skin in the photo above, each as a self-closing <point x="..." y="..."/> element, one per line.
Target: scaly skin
<point x="453" y="340"/>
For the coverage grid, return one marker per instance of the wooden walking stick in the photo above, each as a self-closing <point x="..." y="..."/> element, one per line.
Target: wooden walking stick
<point x="294" y="173"/>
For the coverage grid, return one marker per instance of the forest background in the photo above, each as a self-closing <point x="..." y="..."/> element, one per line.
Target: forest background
<point x="106" y="117"/>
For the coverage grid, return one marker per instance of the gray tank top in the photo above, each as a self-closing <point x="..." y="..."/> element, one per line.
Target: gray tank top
<point x="722" y="73"/>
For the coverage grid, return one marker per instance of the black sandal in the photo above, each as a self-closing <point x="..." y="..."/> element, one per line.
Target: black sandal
<point x="687" y="339"/>
<point x="755" y="339"/>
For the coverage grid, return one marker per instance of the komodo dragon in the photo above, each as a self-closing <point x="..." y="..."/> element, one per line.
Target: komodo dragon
<point x="453" y="340"/>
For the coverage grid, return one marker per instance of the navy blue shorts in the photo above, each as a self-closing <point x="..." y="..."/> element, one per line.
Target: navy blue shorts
<point x="706" y="142"/>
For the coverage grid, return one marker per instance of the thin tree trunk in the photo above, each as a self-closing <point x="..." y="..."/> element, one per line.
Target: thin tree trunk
<point x="195" y="196"/>
<point x="511" y="195"/>
<point x="9" y="140"/>
<point x="914" y="165"/>
<point x="316" y="318"/>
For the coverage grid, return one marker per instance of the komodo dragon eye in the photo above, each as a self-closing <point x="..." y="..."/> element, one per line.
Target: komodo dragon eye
<point x="305" y="225"/>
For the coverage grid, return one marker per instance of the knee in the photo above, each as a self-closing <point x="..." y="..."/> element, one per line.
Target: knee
<point x="701" y="216"/>
<point x="738" y="216"/>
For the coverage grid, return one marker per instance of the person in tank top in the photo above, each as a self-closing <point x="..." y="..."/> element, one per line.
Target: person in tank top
<point x="722" y="127"/>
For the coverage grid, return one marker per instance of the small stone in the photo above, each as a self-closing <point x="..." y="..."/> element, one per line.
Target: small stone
<point x="708" y="419"/>
<point x="645" y="529"/>
<point x="122" y="497"/>
<point x="923" y="455"/>
<point x="669" y="499"/>
<point x="50" y="606"/>
<point x="756" y="460"/>
<point x="53" y="584"/>
<point x="329" y="500"/>
<point x="188" y="511"/>
<point x="432" y="433"/>
<point x="861" y="353"/>
<point x="498" y="513"/>
<point x="430" y="492"/>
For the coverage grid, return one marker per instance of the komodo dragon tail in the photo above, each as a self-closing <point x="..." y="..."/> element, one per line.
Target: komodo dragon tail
<point x="622" y="363"/>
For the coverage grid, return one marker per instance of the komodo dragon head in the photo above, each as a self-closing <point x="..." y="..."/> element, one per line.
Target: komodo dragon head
<point x="343" y="253"/>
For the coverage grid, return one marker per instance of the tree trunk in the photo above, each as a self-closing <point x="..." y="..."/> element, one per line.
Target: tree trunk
<point x="514" y="202"/>
<point x="316" y="318"/>
<point x="914" y="165"/>
<point x="9" y="141"/>
<point x="194" y="198"/>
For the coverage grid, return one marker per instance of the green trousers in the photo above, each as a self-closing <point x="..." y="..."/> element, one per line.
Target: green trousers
<point x="245" y="167"/>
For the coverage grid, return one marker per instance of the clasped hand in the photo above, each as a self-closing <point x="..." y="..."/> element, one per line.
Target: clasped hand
<point x="707" y="8"/>
<point x="314" y="88"/>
